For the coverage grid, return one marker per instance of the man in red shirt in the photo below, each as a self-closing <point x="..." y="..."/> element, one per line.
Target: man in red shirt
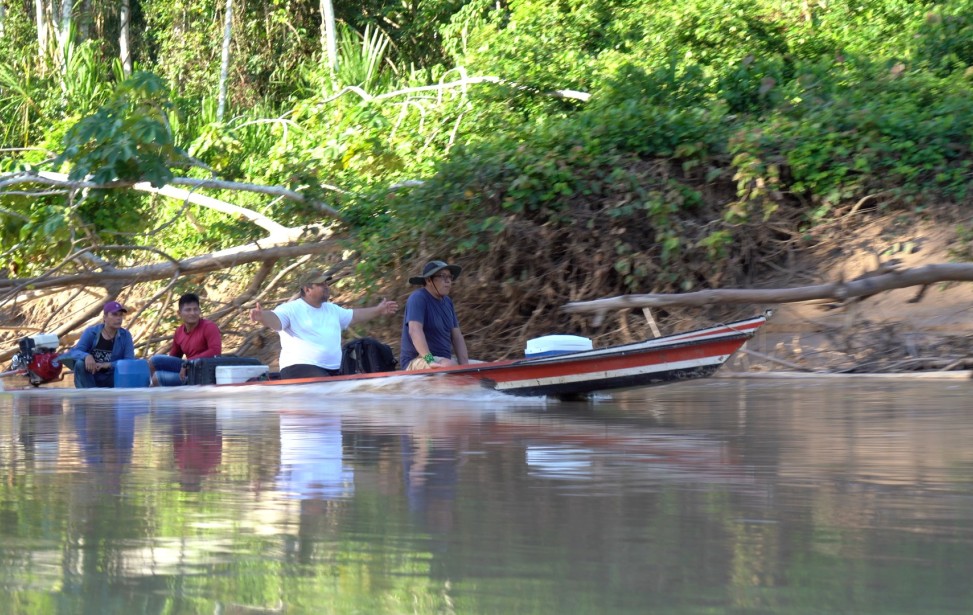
<point x="195" y="338"/>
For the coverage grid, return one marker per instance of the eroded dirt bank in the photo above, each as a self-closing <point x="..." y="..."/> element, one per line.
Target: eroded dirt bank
<point x="512" y="292"/>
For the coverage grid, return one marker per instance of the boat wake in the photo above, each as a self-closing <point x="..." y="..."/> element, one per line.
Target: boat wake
<point x="392" y="387"/>
<point x="395" y="387"/>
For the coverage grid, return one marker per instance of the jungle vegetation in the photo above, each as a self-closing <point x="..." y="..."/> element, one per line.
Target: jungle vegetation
<point x="560" y="151"/>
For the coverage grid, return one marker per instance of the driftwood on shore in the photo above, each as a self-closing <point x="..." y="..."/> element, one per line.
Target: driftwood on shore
<point x="866" y="285"/>
<point x="855" y="347"/>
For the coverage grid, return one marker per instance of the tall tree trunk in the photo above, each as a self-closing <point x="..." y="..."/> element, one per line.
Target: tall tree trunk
<point x="41" y="14"/>
<point x="67" y="14"/>
<point x="63" y="35"/>
<point x="82" y="28"/>
<point x="225" y="64"/>
<point x="124" y="51"/>
<point x="328" y="34"/>
<point x="3" y="18"/>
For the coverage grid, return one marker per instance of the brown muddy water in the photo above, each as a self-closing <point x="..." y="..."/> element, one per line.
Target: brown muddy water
<point x="723" y="496"/>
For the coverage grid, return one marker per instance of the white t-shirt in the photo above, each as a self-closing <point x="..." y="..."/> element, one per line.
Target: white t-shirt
<point x="310" y="335"/>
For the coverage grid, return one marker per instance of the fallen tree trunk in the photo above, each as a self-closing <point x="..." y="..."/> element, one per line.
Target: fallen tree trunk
<point x="158" y="271"/>
<point x="115" y="279"/>
<point x="89" y="270"/>
<point x="866" y="285"/>
<point x="281" y="241"/>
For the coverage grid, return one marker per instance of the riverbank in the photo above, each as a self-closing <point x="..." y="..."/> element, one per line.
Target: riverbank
<point x="897" y="331"/>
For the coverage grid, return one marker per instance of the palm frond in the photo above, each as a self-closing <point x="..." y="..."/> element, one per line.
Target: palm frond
<point x="361" y="58"/>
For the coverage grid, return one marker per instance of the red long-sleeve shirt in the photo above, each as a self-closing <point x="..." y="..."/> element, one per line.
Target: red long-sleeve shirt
<point x="203" y="342"/>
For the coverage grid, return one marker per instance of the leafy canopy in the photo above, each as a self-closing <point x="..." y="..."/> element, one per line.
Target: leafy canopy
<point x="127" y="139"/>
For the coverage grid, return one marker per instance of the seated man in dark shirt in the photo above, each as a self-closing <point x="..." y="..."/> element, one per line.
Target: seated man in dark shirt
<point x="100" y="347"/>
<point x="430" y="332"/>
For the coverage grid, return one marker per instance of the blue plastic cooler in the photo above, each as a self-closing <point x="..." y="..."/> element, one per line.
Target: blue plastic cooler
<point x="131" y="373"/>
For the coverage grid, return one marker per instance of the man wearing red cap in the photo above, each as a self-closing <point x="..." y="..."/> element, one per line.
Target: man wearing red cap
<point x="101" y="346"/>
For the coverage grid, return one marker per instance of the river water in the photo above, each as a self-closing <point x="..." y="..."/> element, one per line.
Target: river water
<point x="720" y="496"/>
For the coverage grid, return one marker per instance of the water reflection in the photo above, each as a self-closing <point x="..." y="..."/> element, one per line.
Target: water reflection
<point x="430" y="471"/>
<point x="197" y="445"/>
<point x="720" y="496"/>
<point x="311" y="457"/>
<point x="106" y="434"/>
<point x="39" y="418"/>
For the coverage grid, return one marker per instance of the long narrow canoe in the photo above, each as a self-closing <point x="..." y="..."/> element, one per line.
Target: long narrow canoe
<point x="674" y="358"/>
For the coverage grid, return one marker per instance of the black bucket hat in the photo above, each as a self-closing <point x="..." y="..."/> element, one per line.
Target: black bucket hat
<point x="431" y="269"/>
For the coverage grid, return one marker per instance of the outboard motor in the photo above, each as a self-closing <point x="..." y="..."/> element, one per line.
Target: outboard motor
<point x="37" y="358"/>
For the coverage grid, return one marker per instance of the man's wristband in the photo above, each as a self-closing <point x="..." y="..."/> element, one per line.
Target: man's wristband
<point x="429" y="358"/>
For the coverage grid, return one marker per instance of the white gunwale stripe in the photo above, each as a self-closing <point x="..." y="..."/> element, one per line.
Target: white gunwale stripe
<point x="596" y="375"/>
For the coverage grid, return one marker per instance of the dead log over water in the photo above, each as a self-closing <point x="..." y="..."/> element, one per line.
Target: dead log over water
<point x="864" y="286"/>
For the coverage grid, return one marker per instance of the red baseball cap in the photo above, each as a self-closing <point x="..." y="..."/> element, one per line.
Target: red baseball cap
<point x="113" y="306"/>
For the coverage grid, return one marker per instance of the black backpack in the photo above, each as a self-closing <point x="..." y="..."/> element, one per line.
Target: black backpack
<point x="367" y="355"/>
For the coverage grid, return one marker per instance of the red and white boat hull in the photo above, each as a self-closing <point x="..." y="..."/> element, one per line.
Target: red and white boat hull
<point x="684" y="356"/>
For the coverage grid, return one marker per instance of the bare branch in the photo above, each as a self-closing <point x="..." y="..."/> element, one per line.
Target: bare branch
<point x="409" y="183"/>
<point x="40" y="281"/>
<point x="215" y="204"/>
<point x="266" y="268"/>
<point x="260" y="189"/>
<point x="250" y="253"/>
<point x="13" y="214"/>
<point x="461" y="83"/>
<point x="840" y="291"/>
<point x="61" y="180"/>
<point x="149" y="331"/>
<point x="31" y="194"/>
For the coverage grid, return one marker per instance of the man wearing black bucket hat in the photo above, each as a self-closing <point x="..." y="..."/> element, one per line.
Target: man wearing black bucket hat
<point x="430" y="332"/>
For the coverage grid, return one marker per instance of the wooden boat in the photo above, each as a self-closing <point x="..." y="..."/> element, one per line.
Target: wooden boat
<point x="663" y="360"/>
<point x="674" y="358"/>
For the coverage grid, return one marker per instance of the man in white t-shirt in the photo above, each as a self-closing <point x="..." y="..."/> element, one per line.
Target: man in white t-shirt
<point x="310" y="328"/>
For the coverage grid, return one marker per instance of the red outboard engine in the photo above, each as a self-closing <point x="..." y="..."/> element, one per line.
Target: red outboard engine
<point x="37" y="358"/>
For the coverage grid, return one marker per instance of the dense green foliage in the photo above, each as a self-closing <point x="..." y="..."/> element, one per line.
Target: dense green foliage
<point x="705" y="119"/>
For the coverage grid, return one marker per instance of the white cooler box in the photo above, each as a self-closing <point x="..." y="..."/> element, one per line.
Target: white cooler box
<point x="553" y="345"/>
<point x="232" y="374"/>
